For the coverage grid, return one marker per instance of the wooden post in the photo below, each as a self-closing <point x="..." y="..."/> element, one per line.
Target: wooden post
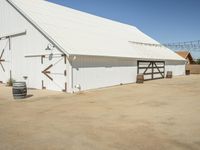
<point x="10" y="75"/>
<point x="43" y="87"/>
<point x="152" y="70"/>
<point x="65" y="90"/>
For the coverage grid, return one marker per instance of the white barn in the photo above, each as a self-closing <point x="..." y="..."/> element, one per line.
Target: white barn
<point x="54" y="47"/>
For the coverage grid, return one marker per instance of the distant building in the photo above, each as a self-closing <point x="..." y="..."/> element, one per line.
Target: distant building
<point x="186" y="55"/>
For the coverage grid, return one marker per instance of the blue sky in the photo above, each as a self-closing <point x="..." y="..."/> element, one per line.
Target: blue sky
<point x="164" y="20"/>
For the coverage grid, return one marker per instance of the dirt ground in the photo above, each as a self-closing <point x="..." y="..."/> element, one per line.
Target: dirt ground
<point x="157" y="115"/>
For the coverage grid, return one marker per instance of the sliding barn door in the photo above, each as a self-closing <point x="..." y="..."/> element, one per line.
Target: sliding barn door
<point x="151" y="69"/>
<point x="5" y="61"/>
<point x="54" y="72"/>
<point x="47" y="72"/>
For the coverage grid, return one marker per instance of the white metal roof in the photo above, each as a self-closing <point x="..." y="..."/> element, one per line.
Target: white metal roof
<point x="80" y="33"/>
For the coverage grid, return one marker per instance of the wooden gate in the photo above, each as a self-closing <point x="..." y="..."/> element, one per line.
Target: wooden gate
<point x="151" y="69"/>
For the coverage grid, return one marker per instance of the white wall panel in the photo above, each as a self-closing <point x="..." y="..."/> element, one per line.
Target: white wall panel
<point x="31" y="44"/>
<point x="177" y="67"/>
<point x="97" y="72"/>
<point x="177" y="70"/>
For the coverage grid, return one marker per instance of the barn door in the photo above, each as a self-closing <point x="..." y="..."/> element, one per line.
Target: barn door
<point x="54" y="72"/>
<point x="151" y="69"/>
<point x="5" y="61"/>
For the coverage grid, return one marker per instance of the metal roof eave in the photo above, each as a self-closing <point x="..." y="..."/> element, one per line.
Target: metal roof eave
<point x="138" y="58"/>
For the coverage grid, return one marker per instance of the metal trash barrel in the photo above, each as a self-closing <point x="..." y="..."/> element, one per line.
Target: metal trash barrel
<point x="19" y="90"/>
<point x="169" y="74"/>
<point x="140" y="78"/>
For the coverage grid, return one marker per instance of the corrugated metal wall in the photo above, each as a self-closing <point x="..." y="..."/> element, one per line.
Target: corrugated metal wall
<point x="97" y="72"/>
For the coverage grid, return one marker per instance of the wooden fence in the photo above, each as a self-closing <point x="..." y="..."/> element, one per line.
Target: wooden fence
<point x="194" y="69"/>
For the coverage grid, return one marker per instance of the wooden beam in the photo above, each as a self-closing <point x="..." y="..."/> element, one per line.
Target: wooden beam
<point x="152" y="65"/>
<point x="159" y="71"/>
<point x="12" y="35"/>
<point x="147" y="68"/>
<point x="65" y="90"/>
<point x="42" y="59"/>
<point x="2" y="60"/>
<point x="43" y="87"/>
<point x="65" y="73"/>
<point x="46" y="72"/>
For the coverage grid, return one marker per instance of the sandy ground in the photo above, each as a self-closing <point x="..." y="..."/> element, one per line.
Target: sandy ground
<point x="158" y="115"/>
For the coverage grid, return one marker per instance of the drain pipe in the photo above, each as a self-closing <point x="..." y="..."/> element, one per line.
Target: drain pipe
<point x="72" y="73"/>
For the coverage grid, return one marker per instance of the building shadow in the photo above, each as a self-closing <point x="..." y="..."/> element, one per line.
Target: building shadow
<point x="29" y="96"/>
